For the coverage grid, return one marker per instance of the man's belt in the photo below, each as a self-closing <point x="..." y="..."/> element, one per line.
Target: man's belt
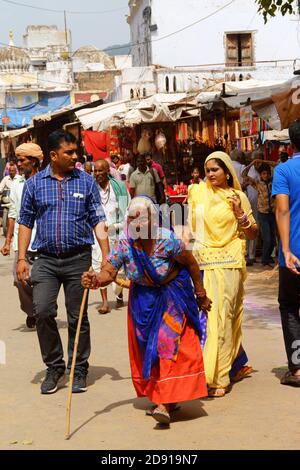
<point x="67" y="254"/>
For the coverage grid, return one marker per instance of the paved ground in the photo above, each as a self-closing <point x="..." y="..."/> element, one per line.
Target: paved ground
<point x="259" y="413"/>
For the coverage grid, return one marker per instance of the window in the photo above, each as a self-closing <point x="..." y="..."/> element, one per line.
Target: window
<point x="174" y="84"/>
<point x="239" y="49"/>
<point x="167" y="85"/>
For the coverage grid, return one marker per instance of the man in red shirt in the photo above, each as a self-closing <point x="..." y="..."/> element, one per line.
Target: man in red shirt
<point x="156" y="166"/>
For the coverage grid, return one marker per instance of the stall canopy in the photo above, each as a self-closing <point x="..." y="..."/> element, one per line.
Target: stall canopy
<point x="157" y="108"/>
<point x="13" y="134"/>
<point x="276" y="136"/>
<point x="276" y="102"/>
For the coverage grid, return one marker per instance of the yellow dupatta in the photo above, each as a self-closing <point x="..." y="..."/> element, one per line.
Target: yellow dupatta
<point x="219" y="243"/>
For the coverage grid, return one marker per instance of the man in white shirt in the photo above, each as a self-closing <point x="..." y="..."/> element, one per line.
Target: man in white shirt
<point x="115" y="200"/>
<point x="252" y="195"/>
<point x="7" y="181"/>
<point x="29" y="157"/>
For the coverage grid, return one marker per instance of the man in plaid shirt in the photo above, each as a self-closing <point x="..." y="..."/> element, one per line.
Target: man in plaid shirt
<point x="65" y="204"/>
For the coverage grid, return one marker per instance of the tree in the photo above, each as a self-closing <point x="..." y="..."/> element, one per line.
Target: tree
<point x="269" y="8"/>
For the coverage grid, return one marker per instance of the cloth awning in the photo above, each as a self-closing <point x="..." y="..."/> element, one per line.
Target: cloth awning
<point x="14" y="133"/>
<point x="161" y="107"/>
<point x="275" y="136"/>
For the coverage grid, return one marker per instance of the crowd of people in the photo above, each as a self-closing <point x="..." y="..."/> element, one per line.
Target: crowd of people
<point x="186" y="292"/>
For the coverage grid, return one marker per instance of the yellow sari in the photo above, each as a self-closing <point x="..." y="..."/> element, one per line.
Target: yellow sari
<point x="219" y="249"/>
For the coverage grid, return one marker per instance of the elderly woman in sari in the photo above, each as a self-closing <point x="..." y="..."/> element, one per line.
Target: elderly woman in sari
<point x="163" y="314"/>
<point x="221" y="220"/>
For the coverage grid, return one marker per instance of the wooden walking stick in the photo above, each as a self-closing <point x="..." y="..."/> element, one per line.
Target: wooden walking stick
<point x="83" y="302"/>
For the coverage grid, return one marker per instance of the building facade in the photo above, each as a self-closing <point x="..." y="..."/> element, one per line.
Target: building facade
<point x="221" y="35"/>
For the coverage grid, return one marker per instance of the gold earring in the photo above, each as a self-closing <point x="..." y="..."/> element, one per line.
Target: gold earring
<point x="228" y="177"/>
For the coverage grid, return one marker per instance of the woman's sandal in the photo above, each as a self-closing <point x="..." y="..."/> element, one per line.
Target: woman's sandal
<point x="172" y="407"/>
<point x="242" y="374"/>
<point x="161" y="416"/>
<point x="217" y="392"/>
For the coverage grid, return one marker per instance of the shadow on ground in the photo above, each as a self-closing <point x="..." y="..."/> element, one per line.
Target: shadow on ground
<point x="189" y="411"/>
<point x="61" y="324"/>
<point x="279" y="371"/>
<point x="95" y="373"/>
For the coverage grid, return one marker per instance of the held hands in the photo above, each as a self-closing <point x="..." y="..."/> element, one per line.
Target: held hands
<point x="292" y="263"/>
<point x="89" y="280"/>
<point x="204" y="303"/>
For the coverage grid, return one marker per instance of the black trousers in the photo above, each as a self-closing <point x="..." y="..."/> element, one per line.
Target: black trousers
<point x="48" y="275"/>
<point x="289" y="304"/>
<point x="267" y="225"/>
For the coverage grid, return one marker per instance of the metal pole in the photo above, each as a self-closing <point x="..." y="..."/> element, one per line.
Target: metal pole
<point x="66" y="31"/>
<point x="5" y="112"/>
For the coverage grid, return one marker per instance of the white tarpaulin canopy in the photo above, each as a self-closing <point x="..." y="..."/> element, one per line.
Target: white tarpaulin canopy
<point x="276" y="136"/>
<point x="162" y="107"/>
<point x="275" y="101"/>
<point x="13" y="133"/>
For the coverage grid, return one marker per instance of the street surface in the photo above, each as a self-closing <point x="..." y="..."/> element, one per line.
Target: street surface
<point x="259" y="413"/>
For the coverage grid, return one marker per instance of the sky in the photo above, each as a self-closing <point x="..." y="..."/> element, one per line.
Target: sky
<point x="98" y="29"/>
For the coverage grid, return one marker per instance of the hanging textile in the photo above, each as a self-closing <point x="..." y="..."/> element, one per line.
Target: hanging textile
<point x="95" y="143"/>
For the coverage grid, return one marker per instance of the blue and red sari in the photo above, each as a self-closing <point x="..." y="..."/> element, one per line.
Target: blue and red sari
<point x="164" y="335"/>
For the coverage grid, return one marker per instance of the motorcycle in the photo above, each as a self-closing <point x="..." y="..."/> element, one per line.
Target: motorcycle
<point x="5" y="205"/>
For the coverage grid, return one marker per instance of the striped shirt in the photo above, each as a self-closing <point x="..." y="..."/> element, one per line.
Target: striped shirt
<point x="65" y="211"/>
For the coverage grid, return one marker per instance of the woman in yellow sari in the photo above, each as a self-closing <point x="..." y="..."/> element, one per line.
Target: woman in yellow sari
<point x="221" y="220"/>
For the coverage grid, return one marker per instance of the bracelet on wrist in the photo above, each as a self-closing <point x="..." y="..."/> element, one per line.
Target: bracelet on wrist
<point x="242" y="216"/>
<point x="247" y="226"/>
<point x="21" y="259"/>
<point x="244" y="220"/>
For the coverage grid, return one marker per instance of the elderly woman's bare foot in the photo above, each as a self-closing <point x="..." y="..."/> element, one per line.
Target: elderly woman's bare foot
<point x="103" y="309"/>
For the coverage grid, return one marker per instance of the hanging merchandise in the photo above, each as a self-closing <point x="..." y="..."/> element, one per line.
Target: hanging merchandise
<point x="237" y="129"/>
<point x="144" y="144"/>
<point x="160" y="140"/>
<point x="205" y="135"/>
<point x="114" y="142"/>
<point x="211" y="133"/>
<point x="246" y="115"/>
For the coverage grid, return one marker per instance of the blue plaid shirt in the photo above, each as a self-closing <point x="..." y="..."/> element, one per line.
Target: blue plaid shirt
<point x="65" y="211"/>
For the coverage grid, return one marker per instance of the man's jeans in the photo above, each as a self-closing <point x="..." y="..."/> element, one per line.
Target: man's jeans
<point x="289" y="304"/>
<point x="47" y="276"/>
<point x="267" y="225"/>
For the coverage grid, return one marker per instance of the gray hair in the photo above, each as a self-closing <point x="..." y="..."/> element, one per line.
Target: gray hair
<point x="140" y="203"/>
